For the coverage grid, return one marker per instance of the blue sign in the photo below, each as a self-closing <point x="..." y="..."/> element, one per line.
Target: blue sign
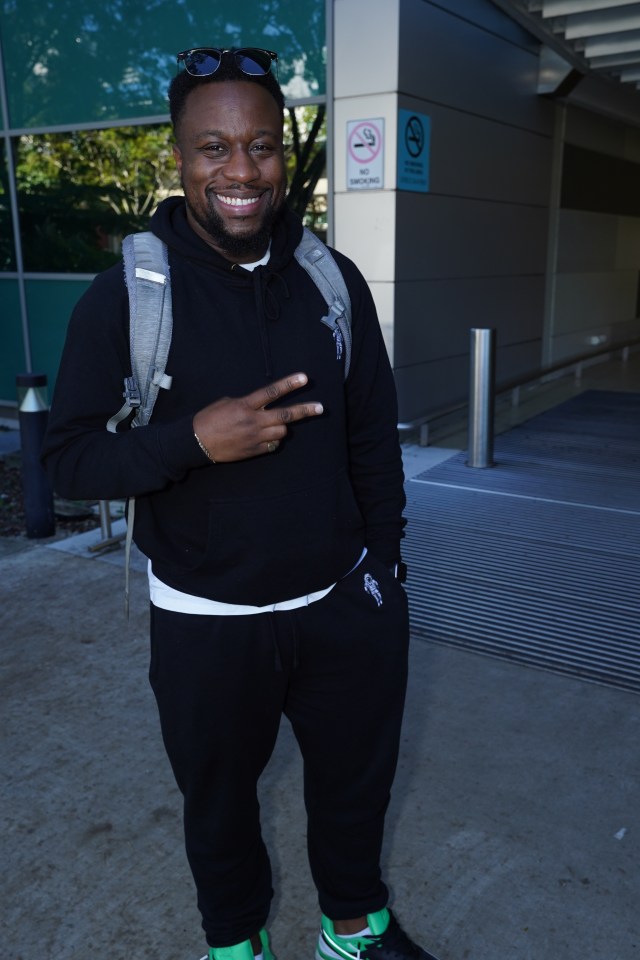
<point x="414" y="142"/>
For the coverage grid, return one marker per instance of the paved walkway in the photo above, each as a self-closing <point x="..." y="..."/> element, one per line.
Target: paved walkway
<point x="514" y="830"/>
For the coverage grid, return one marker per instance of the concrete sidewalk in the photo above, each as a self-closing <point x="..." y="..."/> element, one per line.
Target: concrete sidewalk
<point x="514" y="830"/>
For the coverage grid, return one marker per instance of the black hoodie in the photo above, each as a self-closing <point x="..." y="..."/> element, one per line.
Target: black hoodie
<point x="255" y="531"/>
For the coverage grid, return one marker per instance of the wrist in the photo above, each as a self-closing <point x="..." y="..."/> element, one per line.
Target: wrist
<point x="203" y="448"/>
<point x="399" y="570"/>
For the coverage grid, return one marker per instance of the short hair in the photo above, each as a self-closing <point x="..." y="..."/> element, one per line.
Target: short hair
<point x="184" y="83"/>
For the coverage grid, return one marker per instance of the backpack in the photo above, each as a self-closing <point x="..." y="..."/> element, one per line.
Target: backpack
<point x="146" y="265"/>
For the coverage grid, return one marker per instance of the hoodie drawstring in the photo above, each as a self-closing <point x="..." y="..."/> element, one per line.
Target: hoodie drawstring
<point x="267" y="307"/>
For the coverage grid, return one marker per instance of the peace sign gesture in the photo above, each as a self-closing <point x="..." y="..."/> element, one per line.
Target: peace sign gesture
<point x="236" y="428"/>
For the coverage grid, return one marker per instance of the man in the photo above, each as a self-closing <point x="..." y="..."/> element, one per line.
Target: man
<point x="269" y="494"/>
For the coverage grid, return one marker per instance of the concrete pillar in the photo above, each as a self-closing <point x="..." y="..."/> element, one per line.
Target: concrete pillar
<point x="365" y="88"/>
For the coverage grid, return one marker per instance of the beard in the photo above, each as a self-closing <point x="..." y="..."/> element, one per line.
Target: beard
<point x="251" y="245"/>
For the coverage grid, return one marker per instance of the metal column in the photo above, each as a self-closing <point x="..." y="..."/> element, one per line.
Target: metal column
<point x="481" y="398"/>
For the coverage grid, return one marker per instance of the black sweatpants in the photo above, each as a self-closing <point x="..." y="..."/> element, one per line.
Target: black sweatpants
<point x="337" y="669"/>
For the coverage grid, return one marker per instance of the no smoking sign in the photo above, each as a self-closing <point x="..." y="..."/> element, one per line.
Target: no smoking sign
<point x="365" y="154"/>
<point x="414" y="148"/>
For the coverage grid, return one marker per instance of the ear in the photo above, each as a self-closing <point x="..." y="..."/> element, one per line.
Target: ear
<point x="177" y="156"/>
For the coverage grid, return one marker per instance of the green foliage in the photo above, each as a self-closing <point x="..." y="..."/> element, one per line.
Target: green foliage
<point x="81" y="192"/>
<point x="7" y="255"/>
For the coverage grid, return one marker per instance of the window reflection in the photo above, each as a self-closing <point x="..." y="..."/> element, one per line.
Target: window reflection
<point x="80" y="193"/>
<point x="305" y="137"/>
<point x="7" y="251"/>
<point x="75" y="61"/>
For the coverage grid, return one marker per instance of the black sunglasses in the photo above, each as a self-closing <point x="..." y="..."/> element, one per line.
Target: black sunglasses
<point x="203" y="61"/>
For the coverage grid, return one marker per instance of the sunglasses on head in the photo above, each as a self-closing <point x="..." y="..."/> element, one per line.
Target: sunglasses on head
<point x="203" y="61"/>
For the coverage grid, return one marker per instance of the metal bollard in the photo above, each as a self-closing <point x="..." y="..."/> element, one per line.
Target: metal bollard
<point x="105" y="519"/>
<point x="481" y="398"/>
<point x="32" y="416"/>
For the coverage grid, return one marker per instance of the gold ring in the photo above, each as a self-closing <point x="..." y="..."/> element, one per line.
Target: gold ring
<point x="272" y="446"/>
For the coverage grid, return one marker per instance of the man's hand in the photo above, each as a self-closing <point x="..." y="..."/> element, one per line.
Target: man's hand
<point x="235" y="428"/>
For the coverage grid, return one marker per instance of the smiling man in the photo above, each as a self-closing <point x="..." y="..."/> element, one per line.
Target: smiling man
<point x="230" y="157"/>
<point x="269" y="499"/>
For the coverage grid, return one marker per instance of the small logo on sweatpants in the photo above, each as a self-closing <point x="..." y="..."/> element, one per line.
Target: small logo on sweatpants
<point x="372" y="588"/>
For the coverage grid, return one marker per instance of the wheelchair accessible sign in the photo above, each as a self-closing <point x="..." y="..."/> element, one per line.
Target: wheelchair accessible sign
<point x="365" y="154"/>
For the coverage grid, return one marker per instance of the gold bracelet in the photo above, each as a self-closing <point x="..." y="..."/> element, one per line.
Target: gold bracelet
<point x="203" y="448"/>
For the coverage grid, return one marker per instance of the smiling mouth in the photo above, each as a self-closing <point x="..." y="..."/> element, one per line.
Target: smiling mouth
<point x="236" y="201"/>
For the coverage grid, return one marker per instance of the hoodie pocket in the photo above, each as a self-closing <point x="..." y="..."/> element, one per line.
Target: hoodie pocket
<point x="283" y="546"/>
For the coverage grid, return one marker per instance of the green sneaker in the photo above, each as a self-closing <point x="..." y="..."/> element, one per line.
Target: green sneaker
<point x="387" y="941"/>
<point x="241" y="951"/>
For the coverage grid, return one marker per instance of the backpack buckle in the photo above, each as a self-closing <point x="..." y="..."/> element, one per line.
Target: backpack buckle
<point x="131" y="392"/>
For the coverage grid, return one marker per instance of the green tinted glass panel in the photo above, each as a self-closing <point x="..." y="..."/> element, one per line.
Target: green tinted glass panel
<point x="75" y="61"/>
<point x="12" y="360"/>
<point x="7" y="252"/>
<point x="49" y="304"/>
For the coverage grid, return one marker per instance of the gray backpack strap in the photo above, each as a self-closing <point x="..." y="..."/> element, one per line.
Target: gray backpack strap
<point x="312" y="254"/>
<point x="146" y="270"/>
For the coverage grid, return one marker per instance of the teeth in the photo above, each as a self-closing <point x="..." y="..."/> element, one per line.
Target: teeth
<point x="236" y="201"/>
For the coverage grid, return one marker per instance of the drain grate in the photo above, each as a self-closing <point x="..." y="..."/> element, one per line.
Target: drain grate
<point x="537" y="560"/>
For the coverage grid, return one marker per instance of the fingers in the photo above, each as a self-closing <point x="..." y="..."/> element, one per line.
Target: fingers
<point x="261" y="398"/>
<point x="296" y="412"/>
<point x="273" y="391"/>
<point x="238" y="428"/>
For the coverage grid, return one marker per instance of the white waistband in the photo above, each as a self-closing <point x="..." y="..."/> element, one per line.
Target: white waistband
<point x="167" y="598"/>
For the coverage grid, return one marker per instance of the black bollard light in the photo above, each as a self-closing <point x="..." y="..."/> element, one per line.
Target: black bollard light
<point x="32" y="415"/>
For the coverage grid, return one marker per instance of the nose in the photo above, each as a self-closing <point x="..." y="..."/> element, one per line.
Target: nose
<point x="241" y="167"/>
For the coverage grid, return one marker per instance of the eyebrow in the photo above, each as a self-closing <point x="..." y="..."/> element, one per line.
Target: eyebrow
<point x="223" y="135"/>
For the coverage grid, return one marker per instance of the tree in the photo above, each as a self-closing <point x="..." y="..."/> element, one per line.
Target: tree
<point x="306" y="162"/>
<point x="80" y="193"/>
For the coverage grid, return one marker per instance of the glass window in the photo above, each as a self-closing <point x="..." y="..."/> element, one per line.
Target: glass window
<point x="12" y="359"/>
<point x="50" y="304"/>
<point x="76" y="61"/>
<point x="80" y="193"/>
<point x="7" y="251"/>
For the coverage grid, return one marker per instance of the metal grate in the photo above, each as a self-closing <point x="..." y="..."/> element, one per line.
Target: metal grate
<point x="537" y="560"/>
